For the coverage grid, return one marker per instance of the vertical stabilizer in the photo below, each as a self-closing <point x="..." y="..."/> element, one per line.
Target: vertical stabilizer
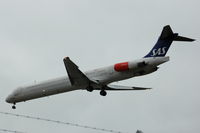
<point x="164" y="42"/>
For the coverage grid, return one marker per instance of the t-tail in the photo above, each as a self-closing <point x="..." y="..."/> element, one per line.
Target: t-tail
<point x="164" y="42"/>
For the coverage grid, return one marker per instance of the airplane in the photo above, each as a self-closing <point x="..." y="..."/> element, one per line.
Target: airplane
<point x="100" y="79"/>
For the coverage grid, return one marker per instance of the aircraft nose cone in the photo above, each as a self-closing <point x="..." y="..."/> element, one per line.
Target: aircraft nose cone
<point x="8" y="99"/>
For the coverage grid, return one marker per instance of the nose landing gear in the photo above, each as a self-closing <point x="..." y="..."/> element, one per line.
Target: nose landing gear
<point x="14" y="107"/>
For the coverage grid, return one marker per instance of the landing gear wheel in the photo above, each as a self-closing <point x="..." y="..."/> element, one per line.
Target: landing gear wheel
<point x="90" y="88"/>
<point x="14" y="107"/>
<point x="103" y="93"/>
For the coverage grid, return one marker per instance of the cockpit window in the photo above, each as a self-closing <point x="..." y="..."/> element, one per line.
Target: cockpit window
<point x="17" y="91"/>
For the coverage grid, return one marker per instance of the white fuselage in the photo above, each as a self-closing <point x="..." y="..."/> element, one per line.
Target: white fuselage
<point x="103" y="76"/>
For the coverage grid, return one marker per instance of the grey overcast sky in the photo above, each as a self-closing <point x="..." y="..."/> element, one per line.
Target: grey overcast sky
<point x="35" y="35"/>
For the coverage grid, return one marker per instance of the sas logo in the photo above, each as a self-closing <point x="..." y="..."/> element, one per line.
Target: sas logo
<point x="160" y="51"/>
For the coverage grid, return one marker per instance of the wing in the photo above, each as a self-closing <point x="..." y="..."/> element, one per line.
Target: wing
<point x="123" y="88"/>
<point x="76" y="77"/>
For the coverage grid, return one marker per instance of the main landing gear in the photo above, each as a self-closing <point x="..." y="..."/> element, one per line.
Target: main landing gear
<point x="14" y="107"/>
<point x="90" y="88"/>
<point x="102" y="91"/>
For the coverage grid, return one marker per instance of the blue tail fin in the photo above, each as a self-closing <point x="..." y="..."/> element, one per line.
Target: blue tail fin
<point x="164" y="42"/>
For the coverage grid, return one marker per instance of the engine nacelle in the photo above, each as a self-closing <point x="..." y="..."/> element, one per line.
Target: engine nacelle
<point x="120" y="67"/>
<point x="124" y="66"/>
<point x="151" y="61"/>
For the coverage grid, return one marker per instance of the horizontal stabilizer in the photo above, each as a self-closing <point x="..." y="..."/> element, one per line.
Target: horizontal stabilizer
<point x="181" y="38"/>
<point x="167" y="33"/>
